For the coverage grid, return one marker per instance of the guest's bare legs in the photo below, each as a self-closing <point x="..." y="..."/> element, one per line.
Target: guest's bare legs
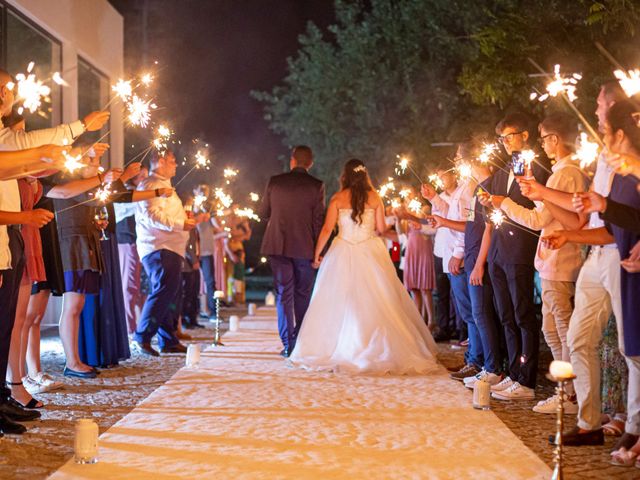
<point x="35" y="314"/>
<point x="72" y="305"/>
<point x="427" y="301"/>
<point x="417" y="299"/>
<point x="15" y="371"/>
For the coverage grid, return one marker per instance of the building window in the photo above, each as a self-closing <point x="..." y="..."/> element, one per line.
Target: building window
<point x="93" y="94"/>
<point x="23" y="42"/>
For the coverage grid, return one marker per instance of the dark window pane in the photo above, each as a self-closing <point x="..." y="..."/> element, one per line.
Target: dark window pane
<point x="93" y="94"/>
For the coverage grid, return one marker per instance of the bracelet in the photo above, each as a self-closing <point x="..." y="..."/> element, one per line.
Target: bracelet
<point x="157" y="190"/>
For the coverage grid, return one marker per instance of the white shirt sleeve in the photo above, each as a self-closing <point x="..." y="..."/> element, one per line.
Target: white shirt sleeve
<point x="21" y="140"/>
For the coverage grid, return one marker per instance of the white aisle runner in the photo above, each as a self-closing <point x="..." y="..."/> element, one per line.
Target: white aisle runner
<point x="245" y="415"/>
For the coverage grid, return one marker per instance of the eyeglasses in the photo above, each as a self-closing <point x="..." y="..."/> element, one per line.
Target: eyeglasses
<point x="543" y="138"/>
<point x="508" y="136"/>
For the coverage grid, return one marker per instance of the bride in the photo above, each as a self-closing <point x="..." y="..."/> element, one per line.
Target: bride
<point x="360" y="319"/>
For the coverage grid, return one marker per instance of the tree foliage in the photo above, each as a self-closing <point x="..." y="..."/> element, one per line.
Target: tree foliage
<point x="396" y="76"/>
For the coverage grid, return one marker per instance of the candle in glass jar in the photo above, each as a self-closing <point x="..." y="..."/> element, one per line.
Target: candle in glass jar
<point x="560" y="370"/>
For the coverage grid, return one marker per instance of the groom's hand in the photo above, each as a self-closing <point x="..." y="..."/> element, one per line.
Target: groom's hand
<point x="316" y="262"/>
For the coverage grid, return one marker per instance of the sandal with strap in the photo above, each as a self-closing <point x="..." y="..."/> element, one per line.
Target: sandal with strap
<point x="615" y="426"/>
<point x="32" y="404"/>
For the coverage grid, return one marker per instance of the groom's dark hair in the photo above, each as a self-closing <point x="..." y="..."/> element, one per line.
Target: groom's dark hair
<point x="303" y="156"/>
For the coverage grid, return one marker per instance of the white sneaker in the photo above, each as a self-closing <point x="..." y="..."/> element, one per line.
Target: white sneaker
<point x="515" y="392"/>
<point x="503" y="385"/>
<point x="41" y="383"/>
<point x="550" y="405"/>
<point x="490" y="378"/>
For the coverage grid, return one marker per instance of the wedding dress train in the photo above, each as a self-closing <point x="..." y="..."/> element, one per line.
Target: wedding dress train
<point x="361" y="319"/>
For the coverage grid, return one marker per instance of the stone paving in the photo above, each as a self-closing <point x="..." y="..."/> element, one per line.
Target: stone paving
<point x="534" y="428"/>
<point x="49" y="443"/>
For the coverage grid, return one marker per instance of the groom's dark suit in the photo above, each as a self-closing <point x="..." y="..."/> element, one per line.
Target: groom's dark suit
<point x="294" y="206"/>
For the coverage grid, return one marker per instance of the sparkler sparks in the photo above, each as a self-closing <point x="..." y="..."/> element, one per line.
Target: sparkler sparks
<point x="386" y="188"/>
<point x="123" y="89"/>
<point x="201" y="160"/>
<point x="629" y="81"/>
<point x="587" y="151"/>
<point x="464" y="171"/>
<point x="57" y="78"/>
<point x="528" y="156"/>
<point x="72" y="163"/>
<point x="497" y="217"/>
<point x="415" y="206"/>
<point x="139" y="111"/>
<point x="561" y="84"/>
<point x="230" y="173"/>
<point x="224" y="199"/>
<point x="254" y="197"/>
<point x="395" y="203"/>
<point x="247" y="213"/>
<point x="404" y="193"/>
<point x="103" y="193"/>
<point x="198" y="201"/>
<point x="146" y="79"/>
<point x="31" y="91"/>
<point x="436" y="181"/>
<point x="403" y="163"/>
<point x="488" y="150"/>
<point x="164" y="135"/>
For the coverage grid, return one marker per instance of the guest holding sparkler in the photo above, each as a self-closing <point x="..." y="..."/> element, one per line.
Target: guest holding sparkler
<point x="558" y="269"/>
<point x="621" y="136"/>
<point x="597" y="287"/>
<point x="190" y="289"/>
<point x="511" y="267"/>
<point x="207" y="230"/>
<point x="130" y="266"/>
<point x="240" y="233"/>
<point x="162" y="229"/>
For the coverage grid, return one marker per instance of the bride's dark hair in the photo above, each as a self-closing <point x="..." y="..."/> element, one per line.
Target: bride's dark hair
<point x="355" y="178"/>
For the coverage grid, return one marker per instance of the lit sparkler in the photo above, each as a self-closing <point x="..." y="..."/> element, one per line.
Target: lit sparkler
<point x="386" y="188"/>
<point x="164" y="135"/>
<point x="528" y="156"/>
<point x="139" y="111"/>
<point x="395" y="203"/>
<point x="230" y="173"/>
<point x="254" y="197"/>
<point x="488" y="150"/>
<point x="146" y="79"/>
<point x="57" y="78"/>
<point x="629" y="81"/>
<point x="201" y="160"/>
<point x="72" y="163"/>
<point x="247" y="213"/>
<point x="198" y="201"/>
<point x="224" y="199"/>
<point x="561" y="84"/>
<point x="123" y="89"/>
<point x="436" y="181"/>
<point x="29" y="90"/>
<point x="587" y="151"/>
<point x="497" y="217"/>
<point x="404" y="193"/>
<point x="103" y="193"/>
<point x="415" y="206"/>
<point x="403" y="164"/>
<point x="464" y="171"/>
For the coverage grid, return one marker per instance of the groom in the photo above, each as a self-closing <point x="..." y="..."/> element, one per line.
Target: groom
<point x="294" y="206"/>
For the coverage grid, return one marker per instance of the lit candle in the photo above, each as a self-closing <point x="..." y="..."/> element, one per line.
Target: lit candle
<point x="560" y="370"/>
<point x="218" y="294"/>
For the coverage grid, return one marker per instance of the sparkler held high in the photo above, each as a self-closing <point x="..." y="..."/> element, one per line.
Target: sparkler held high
<point x="561" y="84"/>
<point x="629" y="81"/>
<point x="403" y="164"/>
<point x="31" y="91"/>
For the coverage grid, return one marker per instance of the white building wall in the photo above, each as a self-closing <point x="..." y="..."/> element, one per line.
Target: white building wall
<point x="94" y="30"/>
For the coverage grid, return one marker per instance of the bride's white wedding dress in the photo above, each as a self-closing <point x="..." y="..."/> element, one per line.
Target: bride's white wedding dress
<point x="361" y="318"/>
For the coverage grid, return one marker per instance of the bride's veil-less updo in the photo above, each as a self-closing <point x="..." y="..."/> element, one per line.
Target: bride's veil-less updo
<point x="356" y="179"/>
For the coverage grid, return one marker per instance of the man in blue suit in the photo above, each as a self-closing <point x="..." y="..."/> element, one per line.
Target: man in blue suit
<point x="294" y="206"/>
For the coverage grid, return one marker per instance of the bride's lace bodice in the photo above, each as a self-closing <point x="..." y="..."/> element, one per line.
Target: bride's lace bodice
<point x="353" y="232"/>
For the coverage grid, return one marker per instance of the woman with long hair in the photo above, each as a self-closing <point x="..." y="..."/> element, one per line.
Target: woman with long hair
<point x="361" y="318"/>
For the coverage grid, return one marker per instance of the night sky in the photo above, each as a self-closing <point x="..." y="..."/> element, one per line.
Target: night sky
<point x="212" y="54"/>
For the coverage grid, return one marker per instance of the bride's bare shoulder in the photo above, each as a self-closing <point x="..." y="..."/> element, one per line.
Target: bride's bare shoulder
<point x="341" y="199"/>
<point x="373" y="199"/>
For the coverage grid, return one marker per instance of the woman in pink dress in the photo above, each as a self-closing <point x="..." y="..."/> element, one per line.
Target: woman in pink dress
<point x="419" y="271"/>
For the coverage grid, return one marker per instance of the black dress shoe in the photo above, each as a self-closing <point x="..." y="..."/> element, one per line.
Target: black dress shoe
<point x="573" y="438"/>
<point x="147" y="349"/>
<point x="177" y="348"/>
<point x="285" y="353"/>
<point x="67" y="372"/>
<point x="12" y="410"/>
<point x="10" y="427"/>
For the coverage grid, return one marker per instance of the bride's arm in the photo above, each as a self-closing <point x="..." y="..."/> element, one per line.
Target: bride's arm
<point x="381" y="225"/>
<point x="329" y="224"/>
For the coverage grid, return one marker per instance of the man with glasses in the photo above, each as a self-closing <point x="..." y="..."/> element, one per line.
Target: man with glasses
<point x="511" y="268"/>
<point x="558" y="269"/>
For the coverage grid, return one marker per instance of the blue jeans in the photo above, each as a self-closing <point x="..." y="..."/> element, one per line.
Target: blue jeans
<point x="208" y="272"/>
<point x="484" y="316"/>
<point x="460" y="287"/>
<point x="294" y="279"/>
<point x="160" y="311"/>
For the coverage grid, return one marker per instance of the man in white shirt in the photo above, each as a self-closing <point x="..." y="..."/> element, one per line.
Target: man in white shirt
<point x="162" y="229"/>
<point x="457" y="208"/>
<point x="11" y="215"/>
